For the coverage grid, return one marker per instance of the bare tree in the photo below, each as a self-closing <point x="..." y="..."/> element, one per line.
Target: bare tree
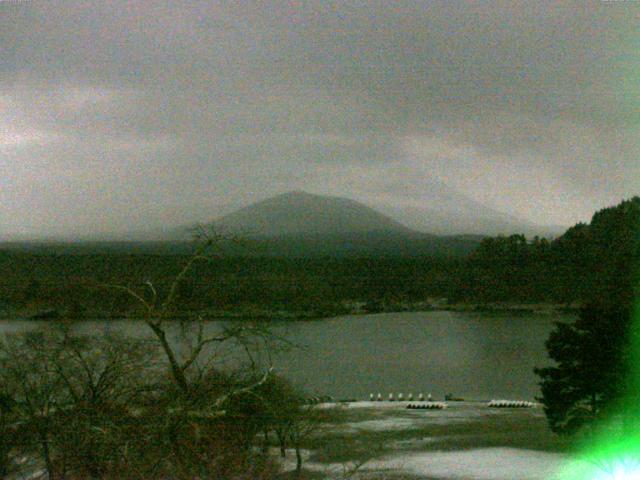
<point x="195" y="410"/>
<point x="73" y="394"/>
<point x="157" y="312"/>
<point x="103" y="376"/>
<point x="29" y="375"/>
<point x="106" y="406"/>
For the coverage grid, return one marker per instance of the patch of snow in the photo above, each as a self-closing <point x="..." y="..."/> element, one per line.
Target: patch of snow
<point x="385" y="424"/>
<point x="394" y="416"/>
<point x="477" y="464"/>
<point x="289" y="462"/>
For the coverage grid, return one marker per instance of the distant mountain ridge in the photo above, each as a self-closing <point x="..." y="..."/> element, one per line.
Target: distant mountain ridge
<point x="426" y="209"/>
<point x="301" y="213"/>
<point x="300" y="224"/>
<point x="436" y="208"/>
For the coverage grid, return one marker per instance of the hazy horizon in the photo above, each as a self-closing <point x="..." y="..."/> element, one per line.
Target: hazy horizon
<point x="123" y="117"/>
<point x="182" y="230"/>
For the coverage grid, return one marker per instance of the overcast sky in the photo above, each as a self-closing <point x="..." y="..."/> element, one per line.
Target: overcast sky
<point x="125" y="115"/>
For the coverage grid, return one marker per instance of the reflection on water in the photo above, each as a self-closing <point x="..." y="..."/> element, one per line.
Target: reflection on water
<point x="472" y="355"/>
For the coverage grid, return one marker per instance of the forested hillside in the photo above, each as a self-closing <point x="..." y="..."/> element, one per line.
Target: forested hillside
<point x="74" y="284"/>
<point x="598" y="259"/>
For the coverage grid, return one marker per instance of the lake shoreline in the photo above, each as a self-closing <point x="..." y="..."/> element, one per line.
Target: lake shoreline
<point x="344" y="309"/>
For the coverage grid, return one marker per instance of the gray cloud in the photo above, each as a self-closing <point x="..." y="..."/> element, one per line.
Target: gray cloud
<point x="118" y="115"/>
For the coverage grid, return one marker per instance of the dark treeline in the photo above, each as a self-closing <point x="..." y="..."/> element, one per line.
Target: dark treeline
<point x="589" y="259"/>
<point x="321" y="286"/>
<point x="593" y="260"/>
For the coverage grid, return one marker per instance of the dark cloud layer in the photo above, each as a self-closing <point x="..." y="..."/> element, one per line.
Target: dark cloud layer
<point x="121" y="115"/>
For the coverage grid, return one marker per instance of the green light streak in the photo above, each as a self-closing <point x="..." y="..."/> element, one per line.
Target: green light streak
<point x="613" y="451"/>
<point x="610" y="458"/>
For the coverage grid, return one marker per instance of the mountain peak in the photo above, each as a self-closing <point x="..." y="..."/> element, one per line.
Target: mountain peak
<point x="301" y="213"/>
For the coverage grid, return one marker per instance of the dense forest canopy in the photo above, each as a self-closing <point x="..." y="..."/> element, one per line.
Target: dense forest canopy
<point x="598" y="259"/>
<point x="595" y="259"/>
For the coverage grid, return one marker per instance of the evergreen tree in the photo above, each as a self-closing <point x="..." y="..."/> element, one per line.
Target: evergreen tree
<point x="590" y="374"/>
<point x="594" y="369"/>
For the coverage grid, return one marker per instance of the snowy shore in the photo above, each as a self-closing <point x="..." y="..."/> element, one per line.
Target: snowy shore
<point x="466" y="441"/>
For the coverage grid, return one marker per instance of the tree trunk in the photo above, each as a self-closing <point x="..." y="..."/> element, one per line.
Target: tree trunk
<point x="298" y="460"/>
<point x="46" y="453"/>
<point x="265" y="443"/>
<point x="178" y="373"/>
<point x="282" y="439"/>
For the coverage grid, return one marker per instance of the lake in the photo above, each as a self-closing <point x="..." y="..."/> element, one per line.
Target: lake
<point x="472" y="355"/>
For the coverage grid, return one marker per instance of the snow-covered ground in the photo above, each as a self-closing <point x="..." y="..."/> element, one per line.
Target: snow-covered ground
<point x="418" y="444"/>
<point x="475" y="464"/>
<point x="480" y="464"/>
<point x="382" y="425"/>
<point x="396" y="416"/>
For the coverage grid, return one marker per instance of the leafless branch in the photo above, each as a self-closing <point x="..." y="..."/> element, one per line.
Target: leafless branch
<point x="221" y="400"/>
<point x="148" y="307"/>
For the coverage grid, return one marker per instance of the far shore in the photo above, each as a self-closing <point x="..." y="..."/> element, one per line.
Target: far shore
<point x="339" y="310"/>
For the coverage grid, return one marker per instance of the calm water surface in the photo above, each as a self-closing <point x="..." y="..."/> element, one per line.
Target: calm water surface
<point x="475" y="356"/>
<point x="472" y="355"/>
